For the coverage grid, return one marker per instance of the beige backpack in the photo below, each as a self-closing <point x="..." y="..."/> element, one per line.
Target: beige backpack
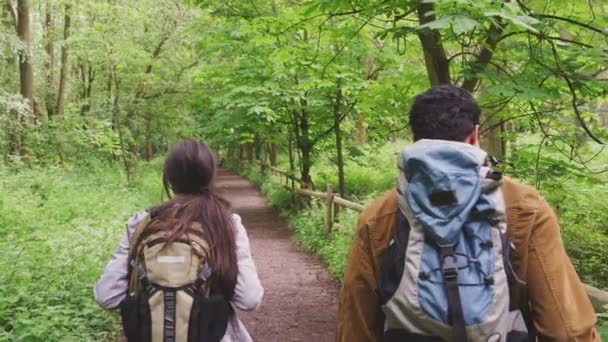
<point x="168" y="298"/>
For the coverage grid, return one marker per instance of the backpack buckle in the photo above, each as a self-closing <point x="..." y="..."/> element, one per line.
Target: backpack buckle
<point x="449" y="263"/>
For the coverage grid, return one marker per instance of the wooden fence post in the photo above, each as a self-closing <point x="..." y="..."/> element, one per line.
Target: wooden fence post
<point x="294" y="200"/>
<point x="329" y="205"/>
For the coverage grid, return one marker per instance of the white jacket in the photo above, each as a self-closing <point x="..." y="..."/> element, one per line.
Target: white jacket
<point x="111" y="288"/>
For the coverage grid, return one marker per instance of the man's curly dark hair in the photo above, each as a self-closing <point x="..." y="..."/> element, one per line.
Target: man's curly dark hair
<point x="444" y="112"/>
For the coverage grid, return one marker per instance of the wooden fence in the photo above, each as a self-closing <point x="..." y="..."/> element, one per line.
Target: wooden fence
<point x="598" y="298"/>
<point x="331" y="198"/>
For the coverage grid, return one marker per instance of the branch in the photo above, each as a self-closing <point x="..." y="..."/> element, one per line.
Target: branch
<point x="463" y="53"/>
<point x="548" y="136"/>
<point x="542" y="128"/>
<point x="540" y="147"/>
<point x="574" y="98"/>
<point x="11" y="10"/>
<point x="343" y="47"/>
<point x="569" y="20"/>
<point x="503" y="121"/>
<point x="157" y="52"/>
<point x="577" y="111"/>
<point x="183" y="69"/>
<point x="486" y="54"/>
<point x="397" y="130"/>
<point x="331" y="129"/>
<point x="302" y="21"/>
<point x="161" y="94"/>
<point x="542" y="36"/>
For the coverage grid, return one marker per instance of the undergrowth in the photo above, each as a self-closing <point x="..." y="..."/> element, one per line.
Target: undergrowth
<point x="58" y="228"/>
<point x="309" y="224"/>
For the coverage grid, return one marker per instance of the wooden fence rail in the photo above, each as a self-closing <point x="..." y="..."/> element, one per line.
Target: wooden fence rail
<point x="598" y="298"/>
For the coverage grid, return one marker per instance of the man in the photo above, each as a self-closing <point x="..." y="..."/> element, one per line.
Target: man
<point x="559" y="307"/>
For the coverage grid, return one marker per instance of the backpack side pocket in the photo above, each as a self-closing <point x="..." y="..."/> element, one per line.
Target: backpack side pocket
<point x="209" y="318"/>
<point x="136" y="318"/>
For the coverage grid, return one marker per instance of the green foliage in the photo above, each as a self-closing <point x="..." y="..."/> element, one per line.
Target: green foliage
<point x="573" y="192"/>
<point x="369" y="171"/>
<point x="66" y="142"/>
<point x="309" y="231"/>
<point x="254" y="176"/>
<point x="58" y="229"/>
<point x="277" y="195"/>
<point x="603" y="323"/>
<point x="309" y="224"/>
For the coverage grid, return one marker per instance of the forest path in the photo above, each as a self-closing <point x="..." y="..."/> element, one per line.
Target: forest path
<point x="300" y="300"/>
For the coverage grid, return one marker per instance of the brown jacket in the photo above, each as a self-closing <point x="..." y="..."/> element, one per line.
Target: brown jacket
<point x="560" y="306"/>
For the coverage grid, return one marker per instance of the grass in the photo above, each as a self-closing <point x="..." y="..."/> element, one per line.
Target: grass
<point x="58" y="228"/>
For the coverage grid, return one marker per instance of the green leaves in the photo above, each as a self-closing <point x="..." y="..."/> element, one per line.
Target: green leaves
<point x="523" y="21"/>
<point x="59" y="227"/>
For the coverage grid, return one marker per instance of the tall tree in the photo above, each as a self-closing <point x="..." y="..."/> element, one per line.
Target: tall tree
<point x="63" y="73"/>
<point x="26" y="71"/>
<point x="49" y="26"/>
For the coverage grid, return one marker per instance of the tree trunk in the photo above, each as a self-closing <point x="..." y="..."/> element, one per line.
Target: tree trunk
<point x="148" y="138"/>
<point x="361" y="137"/>
<point x="109" y="82"/>
<point x="249" y="151"/>
<point x="64" y="62"/>
<point x="339" y="155"/>
<point x="338" y="134"/>
<point x="305" y="147"/>
<point x="26" y="70"/>
<point x="88" y="77"/>
<point x="291" y="166"/>
<point x="435" y="58"/>
<point x="124" y="151"/>
<point x="50" y="61"/>
<point x="26" y="75"/>
<point x="272" y="154"/>
<point x="491" y="129"/>
<point x="493" y="142"/>
<point x="257" y="145"/>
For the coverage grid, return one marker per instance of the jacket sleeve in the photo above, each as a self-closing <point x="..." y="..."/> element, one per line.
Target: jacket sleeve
<point x="560" y="307"/>
<point x="248" y="292"/>
<point x="112" y="286"/>
<point x="359" y="315"/>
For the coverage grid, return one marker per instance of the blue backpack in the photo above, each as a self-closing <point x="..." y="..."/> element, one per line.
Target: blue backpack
<point x="446" y="275"/>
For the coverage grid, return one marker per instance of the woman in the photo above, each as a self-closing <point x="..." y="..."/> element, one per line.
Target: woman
<point x="189" y="173"/>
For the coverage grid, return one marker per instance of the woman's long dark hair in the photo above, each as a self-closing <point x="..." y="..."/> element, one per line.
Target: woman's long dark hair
<point x="189" y="173"/>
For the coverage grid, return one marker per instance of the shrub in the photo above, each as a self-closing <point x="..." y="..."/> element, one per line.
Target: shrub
<point x="277" y="195"/>
<point x="309" y="231"/>
<point x="58" y="228"/>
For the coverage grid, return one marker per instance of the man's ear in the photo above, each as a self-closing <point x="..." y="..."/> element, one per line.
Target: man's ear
<point x="473" y="138"/>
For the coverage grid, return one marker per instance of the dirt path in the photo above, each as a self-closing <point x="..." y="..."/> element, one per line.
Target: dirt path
<point x="300" y="301"/>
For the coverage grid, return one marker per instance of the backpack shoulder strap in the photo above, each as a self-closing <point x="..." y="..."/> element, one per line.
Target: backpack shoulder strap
<point x="394" y="260"/>
<point x="139" y="228"/>
<point x="134" y="242"/>
<point x="153" y="211"/>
